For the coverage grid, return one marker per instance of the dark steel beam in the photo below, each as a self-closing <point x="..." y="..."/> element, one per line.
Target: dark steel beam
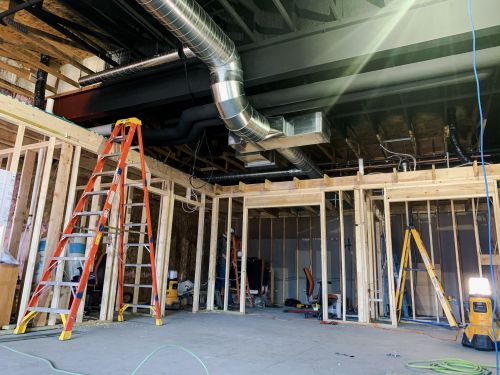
<point x="16" y="8"/>
<point x="53" y="21"/>
<point x="313" y="55"/>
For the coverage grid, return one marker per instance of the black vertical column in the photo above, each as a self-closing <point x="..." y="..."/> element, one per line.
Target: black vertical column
<point x="41" y="81"/>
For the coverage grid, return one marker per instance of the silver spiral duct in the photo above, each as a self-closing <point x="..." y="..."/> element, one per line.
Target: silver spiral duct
<point x="136" y="67"/>
<point x="301" y="161"/>
<point x="187" y="20"/>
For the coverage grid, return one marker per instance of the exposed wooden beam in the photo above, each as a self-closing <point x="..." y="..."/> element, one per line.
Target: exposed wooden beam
<point x="15" y="89"/>
<point x="46" y="47"/>
<point x="23" y="74"/>
<point x="33" y="60"/>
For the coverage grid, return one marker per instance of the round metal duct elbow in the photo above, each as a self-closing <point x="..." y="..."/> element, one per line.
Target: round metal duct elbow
<point x="187" y="20"/>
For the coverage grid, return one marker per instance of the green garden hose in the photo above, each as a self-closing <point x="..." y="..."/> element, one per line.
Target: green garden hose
<point x="451" y="366"/>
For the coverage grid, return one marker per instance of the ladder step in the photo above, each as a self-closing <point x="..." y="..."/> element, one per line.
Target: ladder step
<point x="89" y="213"/>
<point x="110" y="155"/>
<point x="137" y="184"/>
<point x="105" y="173"/>
<point x="58" y="283"/>
<point x="48" y="310"/>
<point x="134" y="204"/>
<point x="140" y="306"/>
<point x="97" y="192"/>
<point x="138" y="285"/>
<point x="78" y="235"/>
<point x="136" y="244"/>
<point x="134" y="147"/>
<point x="118" y="138"/>
<point x="137" y="265"/>
<point x="131" y="225"/>
<point x="81" y="259"/>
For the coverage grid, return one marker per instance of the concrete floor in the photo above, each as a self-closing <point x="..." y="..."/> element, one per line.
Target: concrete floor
<point x="263" y="342"/>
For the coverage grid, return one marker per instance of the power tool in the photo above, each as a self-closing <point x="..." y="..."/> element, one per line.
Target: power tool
<point x="172" y="302"/>
<point x="480" y="333"/>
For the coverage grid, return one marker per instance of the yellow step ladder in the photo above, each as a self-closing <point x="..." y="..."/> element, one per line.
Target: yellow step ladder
<point x="410" y="233"/>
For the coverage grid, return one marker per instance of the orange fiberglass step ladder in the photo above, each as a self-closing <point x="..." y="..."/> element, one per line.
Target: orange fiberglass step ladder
<point x="237" y="273"/>
<point x="121" y="138"/>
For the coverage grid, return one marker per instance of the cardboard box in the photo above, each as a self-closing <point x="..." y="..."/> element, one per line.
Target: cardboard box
<point x="8" y="280"/>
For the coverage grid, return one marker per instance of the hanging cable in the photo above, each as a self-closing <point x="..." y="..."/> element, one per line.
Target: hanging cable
<point x="401" y="154"/>
<point x="485" y="178"/>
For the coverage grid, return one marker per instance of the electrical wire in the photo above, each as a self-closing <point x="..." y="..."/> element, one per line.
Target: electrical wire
<point x="134" y="372"/>
<point x="451" y="366"/>
<point x="483" y="167"/>
<point x="401" y="154"/>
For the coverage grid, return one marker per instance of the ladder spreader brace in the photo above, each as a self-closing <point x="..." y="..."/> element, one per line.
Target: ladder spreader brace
<point x="123" y="134"/>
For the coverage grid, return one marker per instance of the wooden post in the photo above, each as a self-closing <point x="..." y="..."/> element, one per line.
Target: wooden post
<point x="476" y="237"/>
<point x="161" y="246"/>
<point x="244" y="254"/>
<point x="112" y="259"/>
<point x="361" y="261"/>
<point x="496" y="215"/>
<point x="213" y="254"/>
<point x="55" y="222"/>
<point x="228" y="252"/>
<point x="457" y="258"/>
<point x="16" y="154"/>
<point x="260" y="238"/>
<point x="70" y="203"/>
<point x="324" y="258"/>
<point x="342" y="252"/>
<point x="410" y="263"/>
<point x="40" y="162"/>
<point x="37" y="226"/>
<point x="21" y="210"/>
<point x="271" y="255"/>
<point x="431" y="242"/>
<point x="199" y="253"/>
<point x="390" y="260"/>
<point x="370" y="256"/>
<point x="297" y="258"/>
<point x="283" y="256"/>
<point x="12" y="166"/>
<point x="166" y="261"/>
<point x="92" y="223"/>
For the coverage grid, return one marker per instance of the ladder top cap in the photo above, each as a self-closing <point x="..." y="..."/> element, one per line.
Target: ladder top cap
<point x="129" y="121"/>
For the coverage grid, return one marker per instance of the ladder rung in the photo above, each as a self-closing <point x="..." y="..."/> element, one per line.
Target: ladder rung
<point x="137" y="184"/>
<point x="89" y="213"/>
<point x="136" y="244"/>
<point x="134" y="147"/>
<point x="105" y="173"/>
<point x="97" y="192"/>
<point x="134" y="204"/>
<point x="119" y="138"/>
<point x="58" y="283"/>
<point x="81" y="259"/>
<point x="139" y="306"/>
<point x="78" y="235"/>
<point x="134" y="231"/>
<point x="137" y="265"/>
<point x="111" y="155"/>
<point x="133" y="165"/>
<point x="131" y="225"/>
<point x="48" y="310"/>
<point x="138" y="285"/>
